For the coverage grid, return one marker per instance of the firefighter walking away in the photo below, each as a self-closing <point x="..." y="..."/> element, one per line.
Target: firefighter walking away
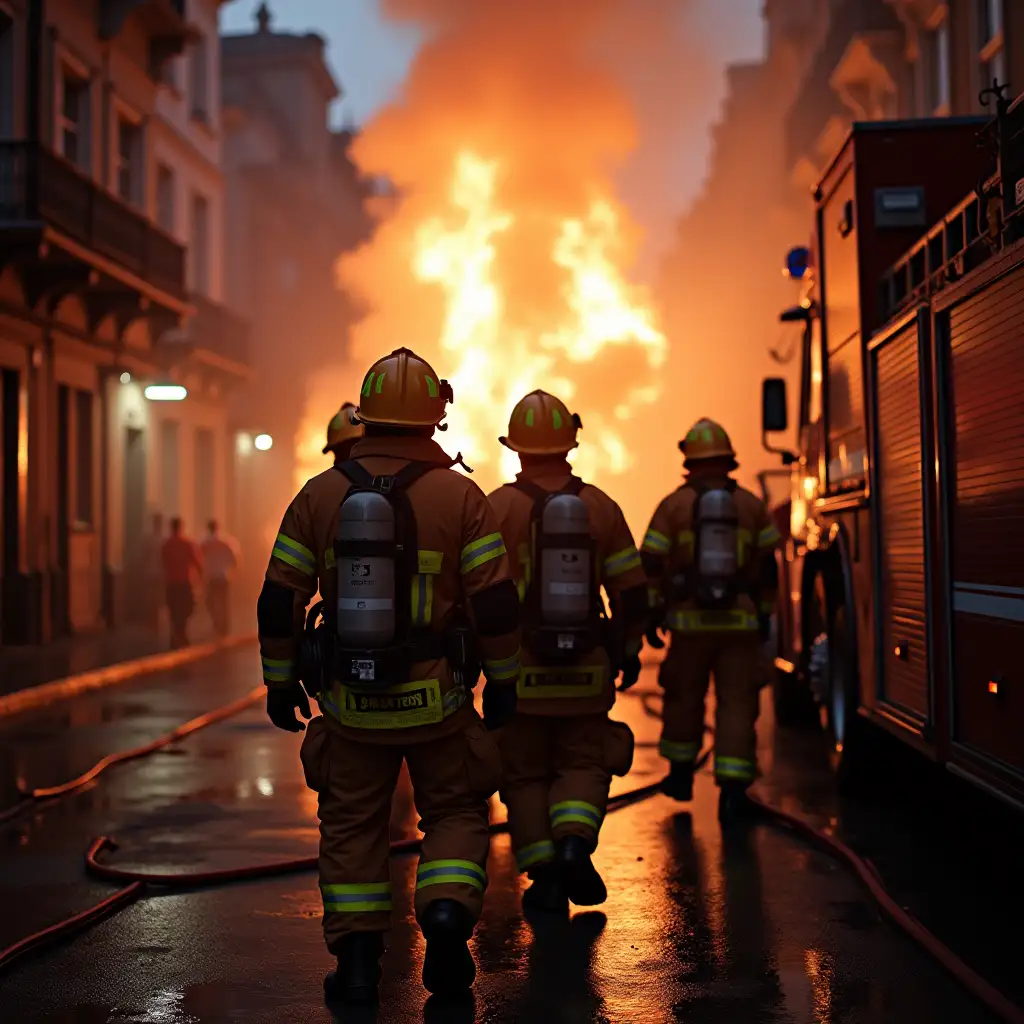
<point x="567" y="539"/>
<point x="417" y="596"/>
<point x="710" y="555"/>
<point x="343" y="431"/>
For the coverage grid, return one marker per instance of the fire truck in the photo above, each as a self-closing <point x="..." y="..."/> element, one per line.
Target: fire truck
<point x="902" y="589"/>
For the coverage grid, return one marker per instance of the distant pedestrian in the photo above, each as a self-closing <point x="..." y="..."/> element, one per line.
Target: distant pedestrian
<point x="151" y="573"/>
<point x="220" y="560"/>
<point x="183" y="567"/>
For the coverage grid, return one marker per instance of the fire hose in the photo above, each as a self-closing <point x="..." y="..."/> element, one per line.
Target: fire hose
<point x="137" y="883"/>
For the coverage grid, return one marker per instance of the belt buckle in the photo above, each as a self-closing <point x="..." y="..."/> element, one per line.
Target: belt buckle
<point x="383" y="484"/>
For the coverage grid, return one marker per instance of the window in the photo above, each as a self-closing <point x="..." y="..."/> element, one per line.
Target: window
<point x="6" y="75"/>
<point x="199" y="81"/>
<point x="199" y="245"/>
<point x="165" y="198"/>
<point x="169" y="468"/>
<point x="73" y="121"/>
<point x="128" y="160"/>
<point x="991" y="48"/>
<point x="935" y="52"/>
<point x="204" y="477"/>
<point x="83" y="458"/>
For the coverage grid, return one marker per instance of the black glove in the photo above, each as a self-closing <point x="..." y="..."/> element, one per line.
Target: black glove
<point x="630" y="671"/>
<point x="499" y="704"/>
<point x="281" y="704"/>
<point x="653" y="638"/>
<point x="764" y="627"/>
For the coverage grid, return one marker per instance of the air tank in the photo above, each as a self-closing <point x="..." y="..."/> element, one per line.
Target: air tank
<point x="566" y="575"/>
<point x="717" y="547"/>
<point x="366" y="584"/>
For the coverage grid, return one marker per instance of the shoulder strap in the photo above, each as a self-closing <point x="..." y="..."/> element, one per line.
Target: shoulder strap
<point x="398" y="482"/>
<point x="574" y="486"/>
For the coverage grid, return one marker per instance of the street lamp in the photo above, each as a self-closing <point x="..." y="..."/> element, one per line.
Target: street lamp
<point x="263" y="442"/>
<point x="165" y="392"/>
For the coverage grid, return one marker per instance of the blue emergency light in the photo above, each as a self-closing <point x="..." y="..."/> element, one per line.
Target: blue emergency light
<point x="798" y="259"/>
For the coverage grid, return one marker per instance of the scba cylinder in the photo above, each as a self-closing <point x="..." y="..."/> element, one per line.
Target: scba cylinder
<point x="366" y="583"/>
<point x="565" y="570"/>
<point x="717" y="544"/>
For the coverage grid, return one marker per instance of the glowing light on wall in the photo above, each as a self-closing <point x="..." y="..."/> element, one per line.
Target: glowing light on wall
<point x="166" y="393"/>
<point x="263" y="442"/>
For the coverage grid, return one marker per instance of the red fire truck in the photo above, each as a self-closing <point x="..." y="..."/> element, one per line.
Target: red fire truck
<point x="903" y="572"/>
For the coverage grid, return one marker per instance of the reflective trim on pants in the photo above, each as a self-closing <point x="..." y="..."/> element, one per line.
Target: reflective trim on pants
<point x="575" y="811"/>
<point x="735" y="768"/>
<point x="710" y="622"/>
<point x="358" y="898"/>
<point x="681" y="753"/>
<point x="534" y="854"/>
<point x="451" y="872"/>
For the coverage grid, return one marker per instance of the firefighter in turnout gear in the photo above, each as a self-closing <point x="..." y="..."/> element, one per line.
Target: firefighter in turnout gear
<point x="710" y="551"/>
<point x="567" y="539"/>
<point x="343" y="431"/>
<point x="417" y="597"/>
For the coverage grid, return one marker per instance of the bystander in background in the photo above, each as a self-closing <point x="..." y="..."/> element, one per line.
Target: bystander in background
<point x="183" y="568"/>
<point x="220" y="560"/>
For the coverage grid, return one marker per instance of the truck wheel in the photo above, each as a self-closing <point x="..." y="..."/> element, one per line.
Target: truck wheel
<point x="844" y="726"/>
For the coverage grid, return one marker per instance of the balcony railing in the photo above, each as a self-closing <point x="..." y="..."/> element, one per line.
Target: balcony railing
<point x="216" y="329"/>
<point x="817" y="102"/>
<point x="39" y="187"/>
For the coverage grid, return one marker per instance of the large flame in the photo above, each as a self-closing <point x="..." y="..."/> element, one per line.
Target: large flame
<point x="493" y="359"/>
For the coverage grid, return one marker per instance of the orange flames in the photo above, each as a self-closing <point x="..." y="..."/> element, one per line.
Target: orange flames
<point x="506" y="263"/>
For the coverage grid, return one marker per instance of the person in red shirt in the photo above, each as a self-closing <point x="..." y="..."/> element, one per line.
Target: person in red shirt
<point x="183" y="566"/>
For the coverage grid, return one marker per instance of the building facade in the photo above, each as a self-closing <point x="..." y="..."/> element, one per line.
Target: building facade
<point x="93" y="295"/>
<point x="295" y="204"/>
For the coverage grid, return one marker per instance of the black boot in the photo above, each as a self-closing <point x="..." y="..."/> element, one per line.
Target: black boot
<point x="545" y="895"/>
<point x="678" y="784"/>
<point x="580" y="880"/>
<point x="448" y="967"/>
<point x="358" y="973"/>
<point x="734" y="806"/>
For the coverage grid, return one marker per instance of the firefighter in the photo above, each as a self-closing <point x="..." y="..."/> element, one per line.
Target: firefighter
<point x="343" y="431"/>
<point x="710" y="549"/>
<point x="567" y="540"/>
<point x="413" y="571"/>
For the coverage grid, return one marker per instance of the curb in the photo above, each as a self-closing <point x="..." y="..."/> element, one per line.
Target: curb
<point x="46" y="693"/>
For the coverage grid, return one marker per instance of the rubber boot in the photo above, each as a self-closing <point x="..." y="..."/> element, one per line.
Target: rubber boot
<point x="448" y="968"/>
<point x="580" y="880"/>
<point x="545" y="895"/>
<point x="357" y="975"/>
<point x="734" y="806"/>
<point x="678" y="784"/>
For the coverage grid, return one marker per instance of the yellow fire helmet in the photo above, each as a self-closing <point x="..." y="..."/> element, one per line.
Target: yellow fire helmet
<point x="402" y="390"/>
<point x="344" y="426"/>
<point x="541" y="424"/>
<point x="706" y="440"/>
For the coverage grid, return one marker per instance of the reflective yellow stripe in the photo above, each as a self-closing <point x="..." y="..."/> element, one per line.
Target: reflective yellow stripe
<point x="734" y="768"/>
<point x="622" y="561"/>
<point x="656" y="542"/>
<point x="521" y="588"/>
<point x="356" y="898"/>
<point x="685" y="540"/>
<point x="534" y="854"/>
<point x="329" y="562"/>
<point x="430" y="561"/>
<point x="277" y="670"/>
<point x="575" y="811"/>
<point x="701" y="621"/>
<point x="769" y="536"/>
<point x="292" y="553"/>
<point x="681" y="752"/>
<point x="477" y="552"/>
<point x="653" y="597"/>
<point x="540" y="682"/>
<point x="398" y="707"/>
<point x="503" y="668"/>
<point x="422" y="608"/>
<point x="744" y="539"/>
<point x="451" y="872"/>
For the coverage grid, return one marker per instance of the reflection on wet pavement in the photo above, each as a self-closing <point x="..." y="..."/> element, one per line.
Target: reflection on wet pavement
<point x="752" y="927"/>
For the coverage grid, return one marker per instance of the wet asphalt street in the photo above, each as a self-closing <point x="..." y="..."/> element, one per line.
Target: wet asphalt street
<point x="752" y="927"/>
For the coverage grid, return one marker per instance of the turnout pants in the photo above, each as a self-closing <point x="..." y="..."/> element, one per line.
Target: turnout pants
<point x="555" y="779"/>
<point x="452" y="779"/>
<point x="733" y="658"/>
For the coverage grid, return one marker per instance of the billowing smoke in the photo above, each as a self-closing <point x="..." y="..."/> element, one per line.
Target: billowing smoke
<point x="508" y="263"/>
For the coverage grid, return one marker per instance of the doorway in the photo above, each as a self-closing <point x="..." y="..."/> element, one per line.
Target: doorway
<point x="134" y="516"/>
